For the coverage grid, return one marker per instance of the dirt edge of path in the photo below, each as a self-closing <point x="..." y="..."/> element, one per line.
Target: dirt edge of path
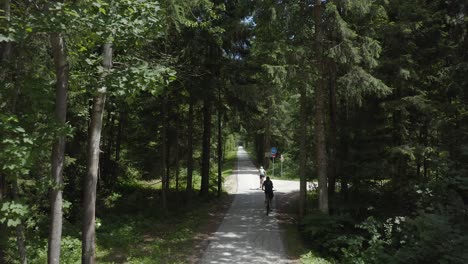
<point x="206" y="231"/>
<point x="287" y="216"/>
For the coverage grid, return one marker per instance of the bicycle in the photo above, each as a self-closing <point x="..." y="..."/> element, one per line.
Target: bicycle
<point x="268" y="199"/>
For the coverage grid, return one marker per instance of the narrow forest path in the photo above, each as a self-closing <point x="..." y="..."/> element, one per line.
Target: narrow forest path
<point x="247" y="234"/>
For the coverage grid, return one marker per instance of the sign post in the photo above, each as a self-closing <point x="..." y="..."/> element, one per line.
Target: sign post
<point x="273" y="155"/>
<point x="282" y="159"/>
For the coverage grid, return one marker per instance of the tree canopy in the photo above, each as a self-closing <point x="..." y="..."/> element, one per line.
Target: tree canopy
<point x="146" y="98"/>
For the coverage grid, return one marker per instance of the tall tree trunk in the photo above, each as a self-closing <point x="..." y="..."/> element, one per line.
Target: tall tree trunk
<point x="20" y="239"/>
<point x="164" y="155"/>
<point x="344" y="151"/>
<point x="177" y="150"/>
<point x="425" y="141"/>
<point x="320" y="113"/>
<point x="168" y="163"/>
<point x="332" y="164"/>
<point x="118" y="144"/>
<point x="58" y="150"/>
<point x="189" y="187"/>
<point x="6" y="45"/>
<point x="205" y="180"/>
<point x="267" y="136"/>
<point x="3" y="227"/>
<point x="108" y="167"/>
<point x="220" y="144"/>
<point x="303" y="152"/>
<point x="90" y="182"/>
<point x="5" y="57"/>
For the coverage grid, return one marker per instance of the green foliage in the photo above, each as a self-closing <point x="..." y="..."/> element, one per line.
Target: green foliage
<point x="70" y="252"/>
<point x="365" y="83"/>
<point x="134" y="231"/>
<point x="16" y="147"/>
<point x="401" y="118"/>
<point x="139" y="77"/>
<point x="432" y="237"/>
<point x="320" y="229"/>
<point x="311" y="258"/>
<point x="12" y="213"/>
<point x="110" y="201"/>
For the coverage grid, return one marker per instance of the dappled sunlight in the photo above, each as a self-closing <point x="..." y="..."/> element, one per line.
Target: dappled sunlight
<point x="252" y="172"/>
<point x="247" y="234"/>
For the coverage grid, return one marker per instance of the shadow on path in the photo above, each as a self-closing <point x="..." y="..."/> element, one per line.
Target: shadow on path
<point x="247" y="234"/>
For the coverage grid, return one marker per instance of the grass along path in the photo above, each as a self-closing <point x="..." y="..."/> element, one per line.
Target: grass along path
<point x="135" y="230"/>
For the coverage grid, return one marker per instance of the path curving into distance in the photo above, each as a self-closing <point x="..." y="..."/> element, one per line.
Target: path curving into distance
<point x="247" y="234"/>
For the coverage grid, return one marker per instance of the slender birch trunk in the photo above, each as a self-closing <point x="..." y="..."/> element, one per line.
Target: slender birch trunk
<point x="20" y="239"/>
<point x="5" y="57"/>
<point x="205" y="180"/>
<point x="303" y="152"/>
<point x="332" y="164"/>
<point x="189" y="187"/>
<point x="177" y="151"/>
<point x="164" y="165"/>
<point x="220" y="153"/>
<point x="122" y="117"/>
<point x="58" y="149"/>
<point x="89" y="190"/>
<point x="3" y="227"/>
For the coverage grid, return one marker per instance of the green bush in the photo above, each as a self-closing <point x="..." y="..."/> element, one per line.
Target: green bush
<point x="71" y="250"/>
<point x="310" y="258"/>
<point x="320" y="229"/>
<point x="432" y="238"/>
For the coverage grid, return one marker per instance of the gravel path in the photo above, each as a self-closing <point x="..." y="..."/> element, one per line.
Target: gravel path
<point x="246" y="234"/>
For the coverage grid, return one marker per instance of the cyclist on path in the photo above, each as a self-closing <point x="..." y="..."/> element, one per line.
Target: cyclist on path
<point x="268" y="187"/>
<point x="262" y="175"/>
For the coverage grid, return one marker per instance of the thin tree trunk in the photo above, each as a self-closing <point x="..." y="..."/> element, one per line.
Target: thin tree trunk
<point x="21" y="243"/>
<point x="5" y="57"/>
<point x="164" y="155"/>
<point x="320" y="145"/>
<point x="333" y="134"/>
<point x="119" y="137"/>
<point x="190" y="149"/>
<point x="108" y="167"/>
<point x="7" y="45"/>
<point x="177" y="163"/>
<point x="206" y="147"/>
<point x="89" y="190"/>
<point x="20" y="239"/>
<point x="344" y="151"/>
<point x="220" y="144"/>
<point x="303" y="152"/>
<point x="168" y="163"/>
<point x="425" y="143"/>
<point x="58" y="150"/>
<point x="3" y="227"/>
<point x="2" y="187"/>
<point x="267" y="137"/>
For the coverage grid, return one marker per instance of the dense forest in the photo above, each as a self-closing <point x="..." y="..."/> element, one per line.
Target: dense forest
<point x="120" y="116"/>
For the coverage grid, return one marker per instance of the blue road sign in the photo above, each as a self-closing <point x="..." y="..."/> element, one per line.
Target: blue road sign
<point x="273" y="150"/>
